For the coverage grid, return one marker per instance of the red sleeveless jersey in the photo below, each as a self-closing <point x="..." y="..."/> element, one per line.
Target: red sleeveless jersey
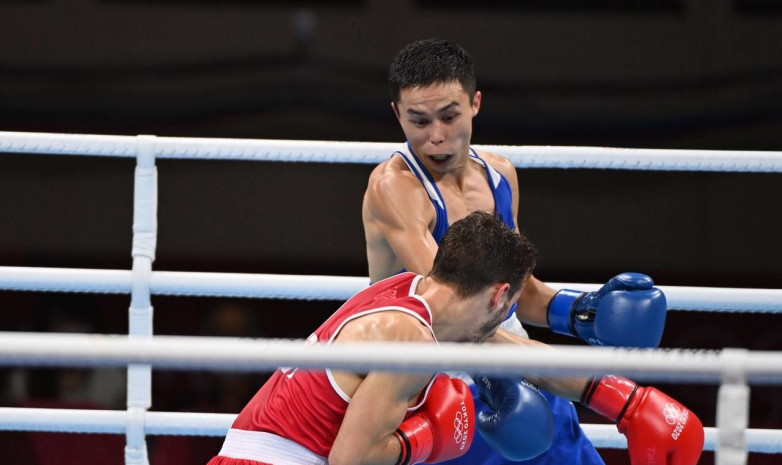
<point x="307" y="406"/>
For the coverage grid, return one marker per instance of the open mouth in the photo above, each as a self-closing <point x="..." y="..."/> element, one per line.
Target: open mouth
<point x="440" y="159"/>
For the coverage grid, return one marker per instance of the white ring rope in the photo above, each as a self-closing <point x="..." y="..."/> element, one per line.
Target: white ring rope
<point x="230" y="353"/>
<point x="733" y="369"/>
<point x="318" y="287"/>
<point x="375" y="152"/>
<point x="217" y="424"/>
<point x="238" y="354"/>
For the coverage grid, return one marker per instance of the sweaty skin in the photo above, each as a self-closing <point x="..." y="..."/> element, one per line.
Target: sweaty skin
<point x="399" y="217"/>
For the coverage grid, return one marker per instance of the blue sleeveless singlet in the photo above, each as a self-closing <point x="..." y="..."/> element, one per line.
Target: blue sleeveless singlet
<point x="500" y="188"/>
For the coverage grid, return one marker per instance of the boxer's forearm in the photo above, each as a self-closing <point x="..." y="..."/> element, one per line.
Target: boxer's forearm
<point x="533" y="303"/>
<point x="570" y="388"/>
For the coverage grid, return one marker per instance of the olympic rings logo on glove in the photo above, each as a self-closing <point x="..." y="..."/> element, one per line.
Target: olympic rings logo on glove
<point x="458" y="425"/>
<point x="672" y="413"/>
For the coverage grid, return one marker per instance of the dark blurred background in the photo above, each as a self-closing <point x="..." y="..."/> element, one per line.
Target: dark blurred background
<point x="691" y="74"/>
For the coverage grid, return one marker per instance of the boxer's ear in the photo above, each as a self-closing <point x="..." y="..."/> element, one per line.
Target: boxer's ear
<point x="499" y="293"/>
<point x="396" y="110"/>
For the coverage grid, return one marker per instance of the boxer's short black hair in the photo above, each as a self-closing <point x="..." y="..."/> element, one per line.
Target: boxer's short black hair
<point x="479" y="251"/>
<point x="431" y="61"/>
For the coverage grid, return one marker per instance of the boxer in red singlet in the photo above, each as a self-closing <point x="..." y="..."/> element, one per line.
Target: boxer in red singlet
<point x="319" y="417"/>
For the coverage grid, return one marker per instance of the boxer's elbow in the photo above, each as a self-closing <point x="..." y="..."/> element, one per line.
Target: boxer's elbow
<point x="341" y="456"/>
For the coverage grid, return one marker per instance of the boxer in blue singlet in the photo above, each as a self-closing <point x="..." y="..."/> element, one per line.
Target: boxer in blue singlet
<point x="437" y="178"/>
<point x="570" y="445"/>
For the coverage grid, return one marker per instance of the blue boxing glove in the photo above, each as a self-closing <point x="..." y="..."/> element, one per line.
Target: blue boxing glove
<point x="513" y="417"/>
<point x="627" y="311"/>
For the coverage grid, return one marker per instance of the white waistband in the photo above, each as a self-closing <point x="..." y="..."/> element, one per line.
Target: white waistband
<point x="267" y="448"/>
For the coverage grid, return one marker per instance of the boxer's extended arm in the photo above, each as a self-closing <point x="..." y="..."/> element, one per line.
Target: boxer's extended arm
<point x="631" y="311"/>
<point x="535" y="296"/>
<point x="569" y="388"/>
<point x="396" y="214"/>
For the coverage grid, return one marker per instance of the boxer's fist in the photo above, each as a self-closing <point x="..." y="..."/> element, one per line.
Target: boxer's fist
<point x="443" y="427"/>
<point x="627" y="311"/>
<point x="513" y="417"/>
<point x="659" y="430"/>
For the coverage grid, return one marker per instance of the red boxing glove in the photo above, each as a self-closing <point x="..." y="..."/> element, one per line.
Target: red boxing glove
<point x="442" y="428"/>
<point x="659" y="430"/>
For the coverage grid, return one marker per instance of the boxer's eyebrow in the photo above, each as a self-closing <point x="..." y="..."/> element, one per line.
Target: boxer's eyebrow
<point x="445" y="108"/>
<point x="448" y="107"/>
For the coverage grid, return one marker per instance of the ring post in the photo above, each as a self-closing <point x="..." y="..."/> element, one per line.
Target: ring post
<point x="732" y="409"/>
<point x="140" y="312"/>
